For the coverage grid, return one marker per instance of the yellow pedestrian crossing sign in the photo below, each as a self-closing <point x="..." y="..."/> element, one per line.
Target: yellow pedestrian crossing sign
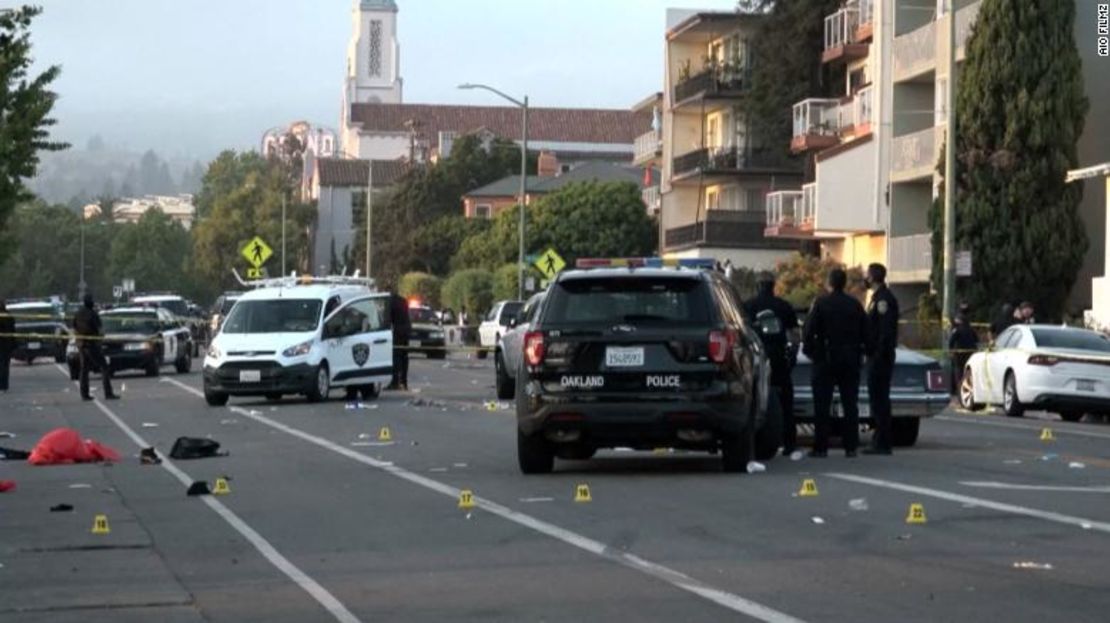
<point x="550" y="263"/>
<point x="257" y="252"/>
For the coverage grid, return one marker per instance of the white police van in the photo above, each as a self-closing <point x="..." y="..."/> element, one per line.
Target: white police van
<point x="302" y="335"/>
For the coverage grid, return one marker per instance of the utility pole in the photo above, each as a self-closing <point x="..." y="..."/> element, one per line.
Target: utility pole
<point x="283" y="273"/>
<point x="82" y="286"/>
<point x="369" y="209"/>
<point x="523" y="199"/>
<point x="950" y="187"/>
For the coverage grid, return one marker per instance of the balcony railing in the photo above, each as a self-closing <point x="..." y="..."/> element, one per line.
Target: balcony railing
<point x="718" y="80"/>
<point x="733" y="159"/>
<point x="724" y="228"/>
<point x="651" y="197"/>
<point x="916" y="151"/>
<point x="817" y="117"/>
<point x="857" y="112"/>
<point x="807" y="215"/>
<point x="866" y="11"/>
<point x="647" y="146"/>
<point x="781" y="206"/>
<point x="911" y="253"/>
<point x="840" y="28"/>
<point x="915" y="52"/>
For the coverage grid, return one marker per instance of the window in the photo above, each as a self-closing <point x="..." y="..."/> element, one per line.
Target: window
<point x="376" y="48"/>
<point x="509" y="310"/>
<point x="713" y="132"/>
<point x="360" y="317"/>
<point x="1071" y="338"/>
<point x="483" y="210"/>
<point x="632" y="300"/>
<point x="712" y="199"/>
<point x="142" y="323"/>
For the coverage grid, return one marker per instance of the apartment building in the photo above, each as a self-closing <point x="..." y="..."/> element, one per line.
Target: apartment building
<point x="842" y="205"/>
<point x="715" y="173"/>
<point x="647" y="150"/>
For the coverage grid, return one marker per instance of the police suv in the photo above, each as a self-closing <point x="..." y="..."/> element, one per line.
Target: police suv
<point x="302" y="335"/>
<point x="140" y="338"/>
<point x="643" y="353"/>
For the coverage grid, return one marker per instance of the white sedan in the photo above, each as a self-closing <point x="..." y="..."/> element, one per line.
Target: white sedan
<point x="1062" y="369"/>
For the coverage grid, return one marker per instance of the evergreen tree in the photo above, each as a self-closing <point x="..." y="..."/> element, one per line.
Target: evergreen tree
<point x="1020" y="110"/>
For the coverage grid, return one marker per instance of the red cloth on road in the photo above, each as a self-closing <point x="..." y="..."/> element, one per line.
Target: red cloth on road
<point x="62" y="446"/>
<point x="6" y="485"/>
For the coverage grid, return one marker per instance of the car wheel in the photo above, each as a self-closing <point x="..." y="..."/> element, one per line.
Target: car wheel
<point x="1071" y="416"/>
<point x="534" y="454"/>
<point x="967" y="392"/>
<point x="215" y="399"/>
<point x="737" y="449"/>
<point x="184" y="363"/>
<point x="769" y="438"/>
<point x="506" y="387"/>
<point x="371" y="391"/>
<point x="151" y="369"/>
<point x="904" y="431"/>
<point x="321" y="387"/>
<point x="1010" y="402"/>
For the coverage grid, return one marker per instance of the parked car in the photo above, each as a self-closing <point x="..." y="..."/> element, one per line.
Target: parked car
<point x="220" y="309"/>
<point x="495" y="324"/>
<point x="509" y="350"/>
<point x="1061" y="369"/>
<point x="42" y="331"/>
<point x="180" y="308"/>
<point x="140" y="338"/>
<point x="427" y="332"/>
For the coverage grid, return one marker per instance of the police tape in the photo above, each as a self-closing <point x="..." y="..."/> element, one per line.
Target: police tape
<point x="70" y="336"/>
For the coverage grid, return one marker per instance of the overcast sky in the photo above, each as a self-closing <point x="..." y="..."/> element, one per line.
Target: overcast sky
<point x="188" y="77"/>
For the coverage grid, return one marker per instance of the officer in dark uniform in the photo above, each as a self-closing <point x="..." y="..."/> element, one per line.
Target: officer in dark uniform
<point x="86" y="324"/>
<point x="882" y="320"/>
<point x="777" y="324"/>
<point x="835" y="339"/>
<point x="7" y="344"/>
<point x="402" y="331"/>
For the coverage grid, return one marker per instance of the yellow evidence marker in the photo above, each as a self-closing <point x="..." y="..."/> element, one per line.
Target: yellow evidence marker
<point x="916" y="514"/>
<point x="466" y="499"/>
<point x="221" y="488"/>
<point x="582" y="493"/>
<point x="100" y="525"/>
<point x="809" y="488"/>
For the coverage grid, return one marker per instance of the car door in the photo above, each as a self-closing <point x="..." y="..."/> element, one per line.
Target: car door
<point x="996" y="359"/>
<point x="360" y="341"/>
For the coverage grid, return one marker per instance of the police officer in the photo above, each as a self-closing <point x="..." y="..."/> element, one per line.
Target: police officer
<point x="7" y="344"/>
<point x="86" y="324"/>
<point x="402" y="331"/>
<point x="777" y="324"/>
<point x="835" y="339"/>
<point x="882" y="320"/>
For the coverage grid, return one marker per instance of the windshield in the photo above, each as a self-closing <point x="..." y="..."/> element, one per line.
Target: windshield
<point x="1071" y="338"/>
<point x="130" y="323"/>
<point x="275" y="316"/>
<point x="422" y="315"/>
<point x="226" y="306"/>
<point x="633" y="300"/>
<point x="177" y="307"/>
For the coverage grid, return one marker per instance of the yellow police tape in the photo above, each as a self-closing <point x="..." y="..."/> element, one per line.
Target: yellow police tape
<point x="69" y="336"/>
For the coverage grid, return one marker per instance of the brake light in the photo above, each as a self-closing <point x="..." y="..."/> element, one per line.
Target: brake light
<point x="1043" y="360"/>
<point x="533" y="348"/>
<point x="720" y="343"/>
<point x="934" y="380"/>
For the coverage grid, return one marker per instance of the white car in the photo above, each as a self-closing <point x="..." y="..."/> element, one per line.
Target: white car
<point x="1062" y="369"/>
<point x="511" y="348"/>
<point x="306" y="337"/>
<point x="495" y="324"/>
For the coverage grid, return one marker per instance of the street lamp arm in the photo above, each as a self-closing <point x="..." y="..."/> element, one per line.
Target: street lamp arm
<point x="485" y="87"/>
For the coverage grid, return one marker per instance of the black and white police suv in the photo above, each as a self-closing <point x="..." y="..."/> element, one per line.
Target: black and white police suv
<point x="643" y="353"/>
<point x="302" y="335"/>
<point x="140" y="338"/>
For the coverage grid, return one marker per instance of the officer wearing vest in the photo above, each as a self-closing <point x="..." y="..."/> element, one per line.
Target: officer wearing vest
<point x="882" y="321"/>
<point x="777" y="324"/>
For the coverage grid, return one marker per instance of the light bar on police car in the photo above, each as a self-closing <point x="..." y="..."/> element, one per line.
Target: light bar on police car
<point x="645" y="262"/>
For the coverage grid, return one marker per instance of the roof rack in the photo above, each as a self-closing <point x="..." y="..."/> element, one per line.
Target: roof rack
<point x="305" y="280"/>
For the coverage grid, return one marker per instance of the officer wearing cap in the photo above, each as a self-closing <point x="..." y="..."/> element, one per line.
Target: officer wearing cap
<point x="835" y="339"/>
<point x="777" y="324"/>
<point x="86" y="324"/>
<point x="882" y="321"/>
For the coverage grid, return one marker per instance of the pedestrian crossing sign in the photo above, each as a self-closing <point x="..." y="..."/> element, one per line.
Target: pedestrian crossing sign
<point x="550" y="263"/>
<point x="257" y="252"/>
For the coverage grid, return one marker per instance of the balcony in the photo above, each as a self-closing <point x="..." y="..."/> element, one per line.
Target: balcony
<point x="841" y="44"/>
<point x="730" y="161"/>
<point x="910" y="258"/>
<point x="724" y="228"/>
<point x="866" y="27"/>
<point x="855" y="114"/>
<point x="721" y="81"/>
<point x="915" y="54"/>
<point x="652" y="199"/>
<point x="914" y="156"/>
<point x="647" y="147"/>
<point x="792" y="213"/>
<point x="816" y="124"/>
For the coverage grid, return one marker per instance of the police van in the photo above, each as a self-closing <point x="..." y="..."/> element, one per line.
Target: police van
<point x="303" y="336"/>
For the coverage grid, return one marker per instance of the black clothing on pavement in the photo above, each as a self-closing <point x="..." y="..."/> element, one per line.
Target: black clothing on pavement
<point x="779" y="354"/>
<point x="835" y="338"/>
<point x="882" y="318"/>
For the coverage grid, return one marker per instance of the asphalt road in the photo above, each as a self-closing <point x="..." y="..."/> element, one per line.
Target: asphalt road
<point x="325" y="523"/>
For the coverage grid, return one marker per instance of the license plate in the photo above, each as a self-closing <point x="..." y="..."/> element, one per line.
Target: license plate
<point x="34" y="345"/>
<point x="624" y="357"/>
<point x="415" y="342"/>
<point x="250" y="376"/>
<point x="1085" y="386"/>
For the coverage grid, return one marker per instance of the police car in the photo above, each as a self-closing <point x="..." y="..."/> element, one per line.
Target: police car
<point x="140" y="338"/>
<point x="643" y="353"/>
<point x="41" y="330"/>
<point x="427" y="332"/>
<point x="302" y="335"/>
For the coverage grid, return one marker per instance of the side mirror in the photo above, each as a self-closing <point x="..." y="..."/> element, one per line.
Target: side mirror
<point x="513" y="321"/>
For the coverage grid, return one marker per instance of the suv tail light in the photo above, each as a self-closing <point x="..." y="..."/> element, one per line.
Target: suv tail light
<point x="533" y="348"/>
<point x="1043" y="360"/>
<point x="934" y="380"/>
<point x="720" y="343"/>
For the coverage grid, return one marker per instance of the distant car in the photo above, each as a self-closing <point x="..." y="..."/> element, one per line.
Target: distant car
<point x="495" y="324"/>
<point x="180" y="308"/>
<point x="1061" y="369"/>
<point x="220" y="309"/>
<point x="140" y="338"/>
<point x="918" y="389"/>
<point x="42" y="331"/>
<point x="510" y="349"/>
<point x="427" y="332"/>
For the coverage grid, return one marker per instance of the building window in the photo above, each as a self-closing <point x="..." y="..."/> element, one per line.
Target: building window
<point x="712" y="198"/>
<point x="564" y="168"/>
<point x="482" y="210"/>
<point x="376" y="48"/>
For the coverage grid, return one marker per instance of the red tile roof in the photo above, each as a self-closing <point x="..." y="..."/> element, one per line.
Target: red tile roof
<point x="344" y="172"/>
<point x="571" y="125"/>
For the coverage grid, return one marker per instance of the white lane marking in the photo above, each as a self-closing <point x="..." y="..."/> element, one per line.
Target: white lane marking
<point x="533" y="500"/>
<point x="302" y="579"/>
<point x="677" y="579"/>
<point x="989" y="484"/>
<point x="978" y="502"/>
<point x="1032" y="429"/>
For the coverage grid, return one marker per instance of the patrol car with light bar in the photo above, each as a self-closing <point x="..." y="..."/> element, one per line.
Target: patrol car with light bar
<point x="643" y="353"/>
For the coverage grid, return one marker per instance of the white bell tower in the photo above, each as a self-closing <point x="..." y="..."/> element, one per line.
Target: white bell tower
<point x="373" y="54"/>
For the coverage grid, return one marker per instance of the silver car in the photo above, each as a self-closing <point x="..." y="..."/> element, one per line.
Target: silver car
<point x="510" y="347"/>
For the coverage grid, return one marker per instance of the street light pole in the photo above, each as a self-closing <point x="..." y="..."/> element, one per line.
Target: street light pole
<point x="949" y="287"/>
<point x="369" y="209"/>
<point x="283" y="273"/>
<point x="523" y="174"/>
<point x="82" y="286"/>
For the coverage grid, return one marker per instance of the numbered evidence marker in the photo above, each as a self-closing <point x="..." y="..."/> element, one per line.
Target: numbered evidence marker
<point x="384" y="434"/>
<point x="809" y="488"/>
<point x="100" y="525"/>
<point x="221" y="487"/>
<point x="916" y="514"/>
<point x="1046" y="435"/>
<point x="582" y="493"/>
<point x="466" y="499"/>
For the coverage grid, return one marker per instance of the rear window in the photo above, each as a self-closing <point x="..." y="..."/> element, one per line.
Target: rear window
<point x="631" y="300"/>
<point x="1081" y="340"/>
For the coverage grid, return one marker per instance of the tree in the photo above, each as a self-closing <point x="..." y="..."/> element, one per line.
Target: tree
<point x="471" y="289"/>
<point x="154" y="252"/>
<point x="802" y="278"/>
<point x="422" y="286"/>
<point x="25" y="106"/>
<point x="1020" y="110"/>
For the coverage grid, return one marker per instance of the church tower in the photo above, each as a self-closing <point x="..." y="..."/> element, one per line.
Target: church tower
<point x="373" y="54"/>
